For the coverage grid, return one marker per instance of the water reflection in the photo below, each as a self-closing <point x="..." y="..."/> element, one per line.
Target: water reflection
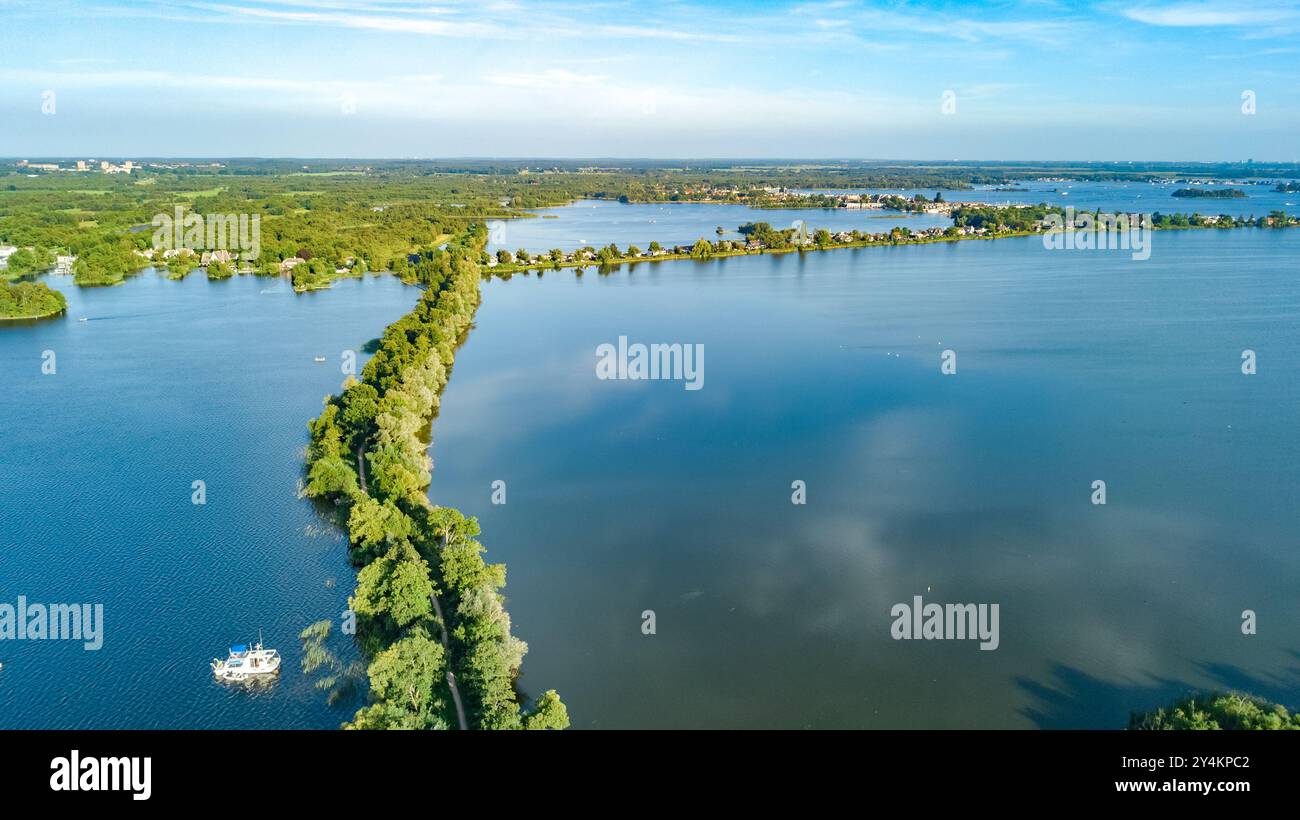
<point x="628" y="496"/>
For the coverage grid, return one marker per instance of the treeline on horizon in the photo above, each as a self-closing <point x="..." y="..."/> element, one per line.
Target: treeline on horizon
<point x="275" y="166"/>
<point x="426" y="601"/>
<point x="359" y="216"/>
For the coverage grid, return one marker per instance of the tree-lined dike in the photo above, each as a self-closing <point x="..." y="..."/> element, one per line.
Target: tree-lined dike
<point x="429" y="612"/>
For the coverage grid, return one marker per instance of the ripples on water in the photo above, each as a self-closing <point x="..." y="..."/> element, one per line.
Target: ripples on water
<point x="168" y="383"/>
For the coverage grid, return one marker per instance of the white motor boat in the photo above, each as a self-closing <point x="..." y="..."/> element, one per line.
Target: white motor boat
<point x="247" y="662"/>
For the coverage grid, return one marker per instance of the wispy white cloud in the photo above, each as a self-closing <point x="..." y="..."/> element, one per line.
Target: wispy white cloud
<point x="1212" y="14"/>
<point x="873" y="23"/>
<point x="411" y="24"/>
<point x="501" y="19"/>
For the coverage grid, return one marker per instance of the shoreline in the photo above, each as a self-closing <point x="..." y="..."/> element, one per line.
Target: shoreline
<point x="32" y="318"/>
<point x="550" y="264"/>
<point x="420" y="569"/>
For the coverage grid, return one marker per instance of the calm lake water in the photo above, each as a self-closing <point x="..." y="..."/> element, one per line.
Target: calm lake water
<point x="165" y="384"/>
<point x="1074" y="366"/>
<point x="623" y="497"/>
<point x="600" y="222"/>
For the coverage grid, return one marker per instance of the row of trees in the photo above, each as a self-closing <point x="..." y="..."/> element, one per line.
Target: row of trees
<point x="25" y="261"/>
<point x="762" y="233"/>
<point x="995" y="217"/>
<point x="1026" y="217"/>
<point x="426" y="601"/>
<point x="1275" y="219"/>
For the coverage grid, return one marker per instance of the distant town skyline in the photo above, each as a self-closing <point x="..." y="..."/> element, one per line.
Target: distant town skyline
<point x="1042" y="81"/>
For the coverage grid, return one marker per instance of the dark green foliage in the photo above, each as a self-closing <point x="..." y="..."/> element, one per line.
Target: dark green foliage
<point x="220" y="270"/>
<point x="548" y="713"/>
<point x="29" y="300"/>
<point x="1218" y="711"/>
<point x="1209" y="193"/>
<point x="993" y="218"/>
<point x="25" y="261"/>
<point x="409" y="549"/>
<point x="392" y="595"/>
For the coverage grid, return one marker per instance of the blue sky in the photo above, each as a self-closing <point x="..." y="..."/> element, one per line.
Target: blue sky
<point x="1036" y="80"/>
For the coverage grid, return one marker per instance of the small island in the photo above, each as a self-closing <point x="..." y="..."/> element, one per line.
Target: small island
<point x="1203" y="193"/>
<point x="1287" y="188"/>
<point x="29" y="300"/>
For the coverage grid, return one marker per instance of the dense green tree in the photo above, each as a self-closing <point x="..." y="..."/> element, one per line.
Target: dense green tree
<point x="374" y="527"/>
<point x="408" y="679"/>
<point x="1218" y="711"/>
<point x="359" y="405"/>
<point x="220" y="270"/>
<point x="549" y="713"/>
<point x="29" y="260"/>
<point x="393" y="593"/>
<point x="30" y="300"/>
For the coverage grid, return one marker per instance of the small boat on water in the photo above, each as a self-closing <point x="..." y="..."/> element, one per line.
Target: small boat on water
<point x="84" y="319"/>
<point x="247" y="662"/>
<point x="320" y="359"/>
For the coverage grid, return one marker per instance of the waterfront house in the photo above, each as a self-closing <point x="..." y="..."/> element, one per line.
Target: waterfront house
<point x="210" y="257"/>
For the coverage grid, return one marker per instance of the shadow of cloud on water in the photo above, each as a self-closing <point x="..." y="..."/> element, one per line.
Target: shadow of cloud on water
<point x="1073" y="699"/>
<point x="1283" y="689"/>
<point x="1077" y="700"/>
